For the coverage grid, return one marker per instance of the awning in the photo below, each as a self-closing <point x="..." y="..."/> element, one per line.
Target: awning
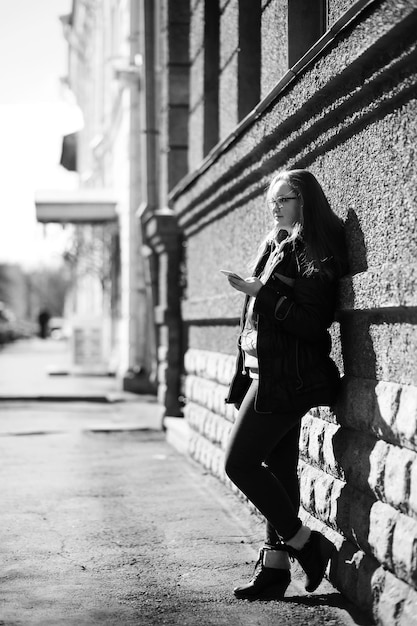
<point x="89" y="206"/>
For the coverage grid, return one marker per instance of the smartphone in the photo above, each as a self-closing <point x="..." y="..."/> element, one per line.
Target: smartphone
<point x="229" y="273"/>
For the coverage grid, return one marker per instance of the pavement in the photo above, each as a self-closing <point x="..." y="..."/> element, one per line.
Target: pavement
<point x="103" y="522"/>
<point x="38" y="370"/>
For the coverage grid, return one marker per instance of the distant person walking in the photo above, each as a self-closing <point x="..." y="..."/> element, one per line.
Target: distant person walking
<point x="283" y="370"/>
<point x="43" y="321"/>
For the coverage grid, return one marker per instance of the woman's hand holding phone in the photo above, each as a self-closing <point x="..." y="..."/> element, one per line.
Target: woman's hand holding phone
<point x="229" y="273"/>
<point x="249" y="286"/>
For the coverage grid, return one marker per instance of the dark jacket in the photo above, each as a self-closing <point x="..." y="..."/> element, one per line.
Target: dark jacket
<point x="293" y="342"/>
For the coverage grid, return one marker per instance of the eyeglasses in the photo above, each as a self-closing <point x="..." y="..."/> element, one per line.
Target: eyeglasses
<point x="283" y="199"/>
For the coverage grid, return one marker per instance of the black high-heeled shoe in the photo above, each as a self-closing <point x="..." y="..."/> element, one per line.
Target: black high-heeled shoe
<point x="313" y="558"/>
<point x="266" y="581"/>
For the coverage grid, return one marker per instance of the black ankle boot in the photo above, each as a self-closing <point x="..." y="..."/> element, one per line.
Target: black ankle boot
<point x="266" y="581"/>
<point x="313" y="558"/>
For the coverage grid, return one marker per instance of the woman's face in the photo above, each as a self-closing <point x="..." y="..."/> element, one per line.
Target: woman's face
<point x="285" y="205"/>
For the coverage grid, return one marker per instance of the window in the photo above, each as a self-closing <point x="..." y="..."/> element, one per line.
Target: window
<point x="211" y="73"/>
<point x="307" y="22"/>
<point x="249" y="59"/>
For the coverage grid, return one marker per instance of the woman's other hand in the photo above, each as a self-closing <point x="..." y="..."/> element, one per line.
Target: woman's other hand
<point x="250" y="286"/>
<point x="285" y="279"/>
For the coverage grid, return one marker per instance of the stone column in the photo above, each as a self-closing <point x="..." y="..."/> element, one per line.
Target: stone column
<point x="164" y="143"/>
<point x="163" y="237"/>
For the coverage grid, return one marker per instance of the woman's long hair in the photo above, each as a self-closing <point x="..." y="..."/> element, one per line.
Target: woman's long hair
<point x="320" y="229"/>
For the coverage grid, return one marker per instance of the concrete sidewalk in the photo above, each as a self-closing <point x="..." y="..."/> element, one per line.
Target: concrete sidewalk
<point x="34" y="369"/>
<point x="102" y="522"/>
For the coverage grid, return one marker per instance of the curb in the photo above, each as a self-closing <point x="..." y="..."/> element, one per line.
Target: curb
<point x="110" y="398"/>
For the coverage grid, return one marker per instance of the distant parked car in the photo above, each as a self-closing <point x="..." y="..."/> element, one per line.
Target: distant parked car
<point x="12" y="328"/>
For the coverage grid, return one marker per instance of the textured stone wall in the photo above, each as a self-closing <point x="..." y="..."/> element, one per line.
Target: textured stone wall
<point x="350" y="117"/>
<point x="336" y="8"/>
<point x="357" y="488"/>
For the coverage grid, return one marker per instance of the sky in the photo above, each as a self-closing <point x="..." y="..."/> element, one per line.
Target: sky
<point x="35" y="113"/>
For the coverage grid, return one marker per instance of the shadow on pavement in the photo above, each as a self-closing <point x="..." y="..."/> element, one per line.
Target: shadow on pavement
<point x="335" y="600"/>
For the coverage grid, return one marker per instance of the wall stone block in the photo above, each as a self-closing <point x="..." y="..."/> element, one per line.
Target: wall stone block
<point x="207" y="423"/>
<point x="208" y="394"/>
<point x="398" y="463"/>
<point x="404" y="549"/>
<point x="413" y="489"/>
<point x="406" y="417"/>
<point x="382" y="523"/>
<point x="209" y="455"/>
<point x="306" y="487"/>
<point x="376" y="479"/>
<point x="316" y="429"/>
<point x="390" y="285"/>
<point x="205" y="367"/>
<point x="320" y="494"/>
<point x="409" y="606"/>
<point x="387" y="410"/>
<point x="386" y="348"/>
<point x="395" y="602"/>
<point x="329" y="462"/>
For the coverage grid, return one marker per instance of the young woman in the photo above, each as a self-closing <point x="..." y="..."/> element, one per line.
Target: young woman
<point x="284" y="369"/>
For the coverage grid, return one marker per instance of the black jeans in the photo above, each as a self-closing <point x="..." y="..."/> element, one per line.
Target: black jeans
<point x="262" y="459"/>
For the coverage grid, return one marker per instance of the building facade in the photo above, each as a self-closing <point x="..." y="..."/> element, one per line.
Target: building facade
<point x="104" y="74"/>
<point x="328" y="86"/>
<point x="211" y="98"/>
